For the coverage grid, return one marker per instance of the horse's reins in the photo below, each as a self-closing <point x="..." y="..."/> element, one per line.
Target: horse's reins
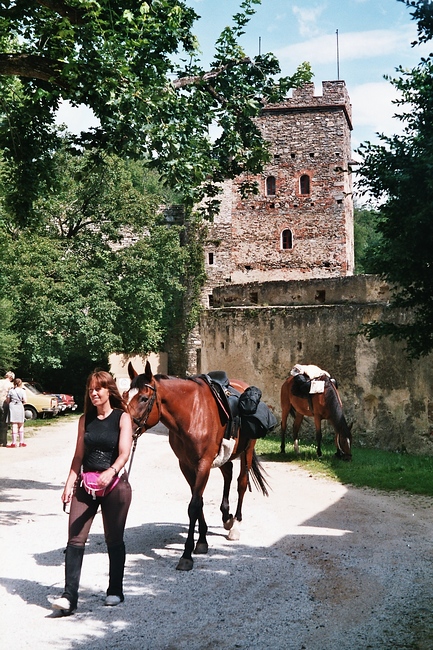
<point x="141" y="423"/>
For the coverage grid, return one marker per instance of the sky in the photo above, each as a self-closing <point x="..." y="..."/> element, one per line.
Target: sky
<point x="374" y="38"/>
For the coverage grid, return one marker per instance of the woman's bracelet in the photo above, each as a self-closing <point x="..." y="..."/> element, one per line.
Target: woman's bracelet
<point x="115" y="470"/>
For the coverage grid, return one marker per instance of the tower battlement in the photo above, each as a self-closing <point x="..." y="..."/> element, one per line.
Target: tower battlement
<point x="334" y="94"/>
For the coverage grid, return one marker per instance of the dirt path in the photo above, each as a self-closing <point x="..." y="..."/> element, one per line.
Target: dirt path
<point x="319" y="566"/>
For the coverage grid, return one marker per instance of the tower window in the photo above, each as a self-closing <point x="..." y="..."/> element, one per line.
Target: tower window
<point x="210" y="258"/>
<point x="286" y="239"/>
<point x="270" y="186"/>
<point x="304" y="184"/>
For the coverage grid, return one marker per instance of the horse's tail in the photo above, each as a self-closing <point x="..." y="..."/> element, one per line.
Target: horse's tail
<point x="258" y="472"/>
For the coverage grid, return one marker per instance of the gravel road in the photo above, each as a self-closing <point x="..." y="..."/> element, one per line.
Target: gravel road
<point x="319" y="566"/>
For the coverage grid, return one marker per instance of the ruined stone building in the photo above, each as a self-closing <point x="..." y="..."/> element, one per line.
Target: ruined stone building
<point x="300" y="224"/>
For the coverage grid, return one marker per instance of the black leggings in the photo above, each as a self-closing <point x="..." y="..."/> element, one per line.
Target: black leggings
<point x="114" y="510"/>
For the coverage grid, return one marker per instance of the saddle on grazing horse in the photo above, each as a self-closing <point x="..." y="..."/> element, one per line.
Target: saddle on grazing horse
<point x="308" y="380"/>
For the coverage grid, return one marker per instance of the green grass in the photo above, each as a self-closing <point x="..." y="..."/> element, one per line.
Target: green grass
<point x="374" y="468"/>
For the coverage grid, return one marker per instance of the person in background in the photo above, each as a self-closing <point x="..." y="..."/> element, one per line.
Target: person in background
<point x="16" y="399"/>
<point x="103" y="446"/>
<point x="5" y="385"/>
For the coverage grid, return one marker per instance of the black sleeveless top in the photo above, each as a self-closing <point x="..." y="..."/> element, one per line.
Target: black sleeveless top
<point x="101" y="440"/>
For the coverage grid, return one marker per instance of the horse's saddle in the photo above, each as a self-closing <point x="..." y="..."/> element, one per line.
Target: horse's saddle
<point x="304" y="387"/>
<point x="244" y="410"/>
<point x="227" y="399"/>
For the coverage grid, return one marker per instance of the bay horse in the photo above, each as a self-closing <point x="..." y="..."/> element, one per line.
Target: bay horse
<point x="320" y="406"/>
<point x="196" y="426"/>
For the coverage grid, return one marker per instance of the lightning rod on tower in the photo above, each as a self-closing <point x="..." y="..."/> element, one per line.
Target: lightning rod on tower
<point x="338" y="58"/>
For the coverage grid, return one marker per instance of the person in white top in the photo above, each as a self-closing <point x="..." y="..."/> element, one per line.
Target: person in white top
<point x="17" y="397"/>
<point x="5" y="385"/>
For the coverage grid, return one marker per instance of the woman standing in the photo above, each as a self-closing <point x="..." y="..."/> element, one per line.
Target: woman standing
<point x="103" y="447"/>
<point x="16" y="399"/>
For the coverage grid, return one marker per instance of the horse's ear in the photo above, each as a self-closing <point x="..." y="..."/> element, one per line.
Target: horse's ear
<point x="131" y="372"/>
<point x="148" y="371"/>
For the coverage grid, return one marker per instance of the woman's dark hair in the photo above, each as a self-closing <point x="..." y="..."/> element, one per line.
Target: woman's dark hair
<point x="103" y="379"/>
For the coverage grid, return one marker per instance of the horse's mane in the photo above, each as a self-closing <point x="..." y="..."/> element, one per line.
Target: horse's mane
<point x="141" y="380"/>
<point x="334" y="404"/>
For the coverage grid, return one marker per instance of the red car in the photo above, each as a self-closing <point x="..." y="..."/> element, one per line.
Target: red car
<point x="67" y="403"/>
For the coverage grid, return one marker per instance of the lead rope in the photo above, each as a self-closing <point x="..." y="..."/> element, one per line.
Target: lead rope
<point x="141" y="426"/>
<point x="134" y="447"/>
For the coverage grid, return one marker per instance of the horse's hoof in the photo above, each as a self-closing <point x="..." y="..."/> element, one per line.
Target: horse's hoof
<point x="228" y="525"/>
<point x="235" y="532"/>
<point x="201" y="548"/>
<point x="184" y="564"/>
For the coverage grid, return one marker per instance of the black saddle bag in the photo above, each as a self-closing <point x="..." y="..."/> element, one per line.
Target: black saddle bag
<point x="260" y="423"/>
<point x="301" y="386"/>
<point x="249" y="400"/>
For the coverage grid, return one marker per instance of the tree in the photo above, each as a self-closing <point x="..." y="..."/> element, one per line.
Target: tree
<point x="366" y="238"/>
<point x="102" y="271"/>
<point x="398" y="174"/>
<point x="137" y="66"/>
<point x="9" y="340"/>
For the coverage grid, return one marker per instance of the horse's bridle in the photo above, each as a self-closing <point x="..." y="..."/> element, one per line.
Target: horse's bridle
<point x="141" y="423"/>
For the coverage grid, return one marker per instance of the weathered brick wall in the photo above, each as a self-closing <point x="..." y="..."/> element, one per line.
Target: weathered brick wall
<point x="388" y="397"/>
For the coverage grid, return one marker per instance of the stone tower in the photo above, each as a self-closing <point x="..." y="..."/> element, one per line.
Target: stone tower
<point x="300" y="225"/>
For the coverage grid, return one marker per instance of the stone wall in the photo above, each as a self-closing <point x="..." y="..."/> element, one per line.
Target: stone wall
<point x="386" y="396"/>
<point x="119" y="366"/>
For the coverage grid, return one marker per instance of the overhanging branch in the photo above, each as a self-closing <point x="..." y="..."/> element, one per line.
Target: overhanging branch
<point x="32" y="66"/>
<point x="207" y="76"/>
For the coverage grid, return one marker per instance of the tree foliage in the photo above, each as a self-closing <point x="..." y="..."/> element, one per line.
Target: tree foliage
<point x="9" y="340"/>
<point x="101" y="273"/>
<point x="137" y="66"/>
<point x="366" y="238"/>
<point x="398" y="172"/>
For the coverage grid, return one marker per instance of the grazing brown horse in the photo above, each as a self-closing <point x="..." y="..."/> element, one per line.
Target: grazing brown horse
<point x="320" y="406"/>
<point x="188" y="408"/>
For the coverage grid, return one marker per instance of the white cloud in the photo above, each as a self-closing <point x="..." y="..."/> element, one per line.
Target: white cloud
<point x="372" y="106"/>
<point x="352" y="45"/>
<point x="373" y="112"/>
<point x="307" y="19"/>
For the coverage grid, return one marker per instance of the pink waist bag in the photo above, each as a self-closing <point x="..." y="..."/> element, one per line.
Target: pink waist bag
<point x="89" y="481"/>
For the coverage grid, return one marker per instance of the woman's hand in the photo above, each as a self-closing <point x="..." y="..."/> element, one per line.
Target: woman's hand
<point x="68" y="492"/>
<point x="106" y="477"/>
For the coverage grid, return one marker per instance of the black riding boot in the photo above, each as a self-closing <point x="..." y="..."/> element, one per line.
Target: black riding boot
<point x="116" y="556"/>
<point x="73" y="563"/>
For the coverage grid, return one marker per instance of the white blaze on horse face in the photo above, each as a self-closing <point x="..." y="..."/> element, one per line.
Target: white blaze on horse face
<point x="131" y="393"/>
